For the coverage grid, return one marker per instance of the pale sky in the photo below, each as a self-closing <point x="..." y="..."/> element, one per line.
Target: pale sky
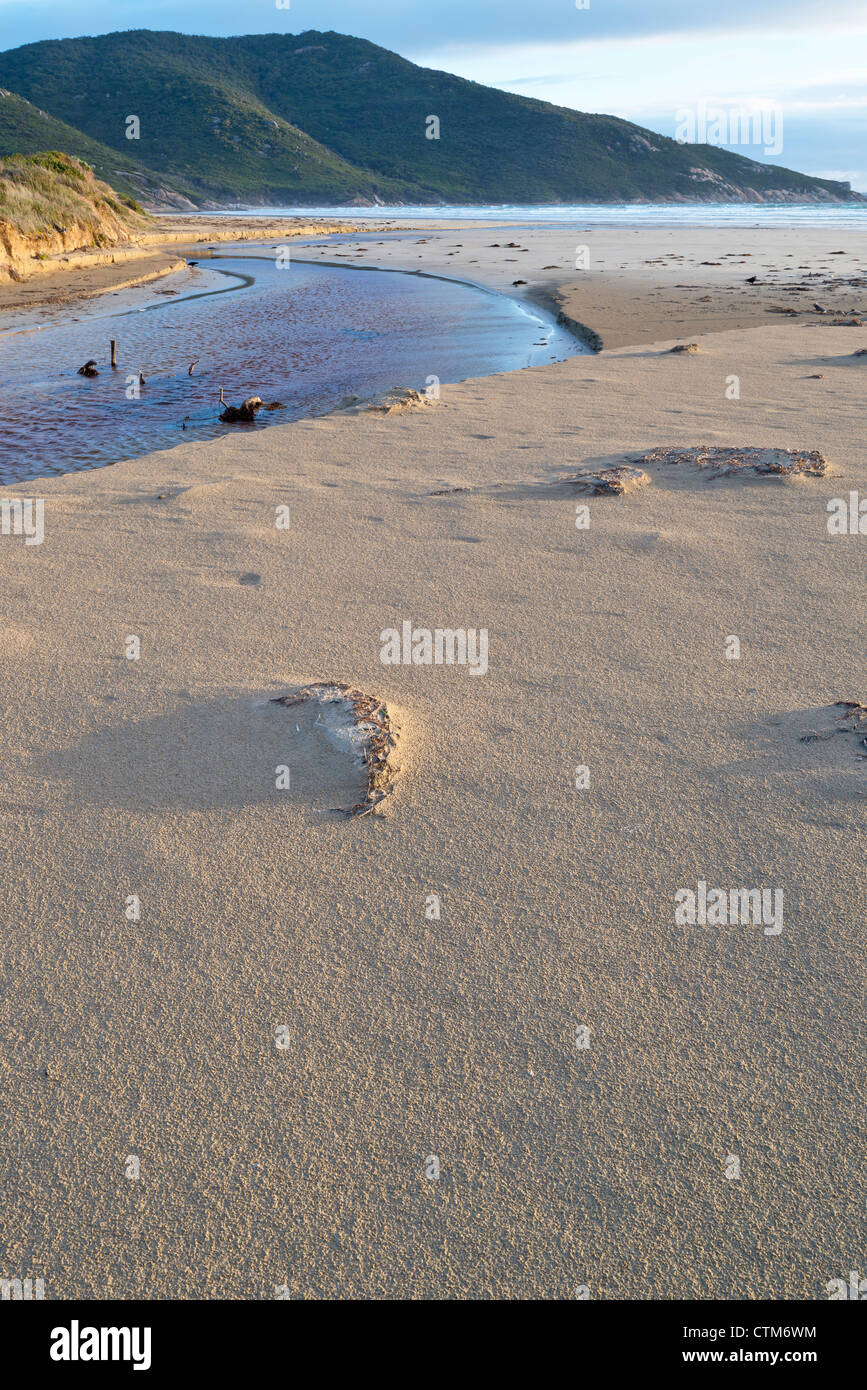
<point x="642" y="59"/>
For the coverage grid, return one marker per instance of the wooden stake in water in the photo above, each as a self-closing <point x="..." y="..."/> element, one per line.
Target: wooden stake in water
<point x="114" y="354"/>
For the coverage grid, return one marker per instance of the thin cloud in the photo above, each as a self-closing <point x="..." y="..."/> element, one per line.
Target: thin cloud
<point x="421" y="31"/>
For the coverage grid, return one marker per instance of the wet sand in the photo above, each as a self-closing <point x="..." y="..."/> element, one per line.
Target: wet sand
<point x="639" y="284"/>
<point x="67" y="279"/>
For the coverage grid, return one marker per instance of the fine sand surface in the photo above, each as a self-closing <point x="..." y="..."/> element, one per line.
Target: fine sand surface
<point x="639" y="284"/>
<point x="285" y="1040"/>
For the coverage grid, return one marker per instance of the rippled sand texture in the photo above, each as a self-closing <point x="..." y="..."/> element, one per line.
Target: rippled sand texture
<point x="311" y="1008"/>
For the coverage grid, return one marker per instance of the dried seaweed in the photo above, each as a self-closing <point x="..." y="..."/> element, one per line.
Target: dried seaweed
<point x="612" y="482"/>
<point x="779" y="462"/>
<point x="854" y="720"/>
<point x="370" y="715"/>
<point x="397" y="399"/>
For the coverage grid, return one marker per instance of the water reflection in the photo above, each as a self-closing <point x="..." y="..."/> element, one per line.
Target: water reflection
<point x="306" y="335"/>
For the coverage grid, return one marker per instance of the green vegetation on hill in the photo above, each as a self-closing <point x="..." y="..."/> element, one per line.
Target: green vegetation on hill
<point x="45" y="195"/>
<point x="24" y="129"/>
<point x="321" y="117"/>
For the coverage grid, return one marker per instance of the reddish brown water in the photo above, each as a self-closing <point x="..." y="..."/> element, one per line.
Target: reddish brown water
<point x="304" y="335"/>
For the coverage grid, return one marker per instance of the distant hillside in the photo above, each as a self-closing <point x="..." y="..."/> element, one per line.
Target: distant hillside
<point x="320" y="117"/>
<point x="51" y="203"/>
<point x="24" y="129"/>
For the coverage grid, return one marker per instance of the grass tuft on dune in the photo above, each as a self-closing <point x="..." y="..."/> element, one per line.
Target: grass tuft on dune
<point x="43" y="195"/>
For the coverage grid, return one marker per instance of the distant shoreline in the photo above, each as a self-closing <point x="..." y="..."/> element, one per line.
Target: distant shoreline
<point x="619" y="301"/>
<point x="603" y="214"/>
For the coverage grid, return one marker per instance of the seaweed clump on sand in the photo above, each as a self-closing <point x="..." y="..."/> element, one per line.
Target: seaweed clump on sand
<point x="853" y="720"/>
<point x="363" y="724"/>
<point x="398" y="399"/>
<point x="611" y="482"/>
<point x="785" y="463"/>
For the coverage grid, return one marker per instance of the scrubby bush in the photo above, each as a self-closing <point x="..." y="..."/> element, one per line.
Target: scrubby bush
<point x="47" y="193"/>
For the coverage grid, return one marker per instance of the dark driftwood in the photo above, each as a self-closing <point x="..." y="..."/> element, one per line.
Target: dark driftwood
<point x="245" y="413"/>
<point x="854" y="721"/>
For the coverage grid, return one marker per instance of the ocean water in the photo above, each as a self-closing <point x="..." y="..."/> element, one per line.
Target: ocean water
<point x="849" y="215"/>
<point x="304" y="335"/>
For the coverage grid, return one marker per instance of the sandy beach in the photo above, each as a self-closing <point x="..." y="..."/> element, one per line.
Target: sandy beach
<point x="636" y="285"/>
<point x="286" y="1014"/>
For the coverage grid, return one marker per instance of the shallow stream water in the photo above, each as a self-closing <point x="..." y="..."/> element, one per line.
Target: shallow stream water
<point x="304" y="335"/>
